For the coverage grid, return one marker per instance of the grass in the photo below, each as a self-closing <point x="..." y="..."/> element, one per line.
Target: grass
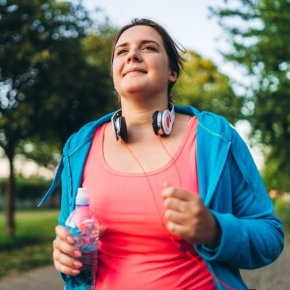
<point x="32" y="244"/>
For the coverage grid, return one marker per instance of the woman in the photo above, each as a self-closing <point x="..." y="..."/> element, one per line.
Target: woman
<point x="183" y="203"/>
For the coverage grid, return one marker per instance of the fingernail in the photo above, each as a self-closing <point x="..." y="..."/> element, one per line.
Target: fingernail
<point x="78" y="264"/>
<point x="70" y="239"/>
<point x="75" y="272"/>
<point x="77" y="254"/>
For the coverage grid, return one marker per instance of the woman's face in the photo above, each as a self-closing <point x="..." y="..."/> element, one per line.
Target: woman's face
<point x="140" y="63"/>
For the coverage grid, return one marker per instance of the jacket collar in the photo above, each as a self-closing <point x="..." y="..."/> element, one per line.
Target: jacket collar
<point x="213" y="143"/>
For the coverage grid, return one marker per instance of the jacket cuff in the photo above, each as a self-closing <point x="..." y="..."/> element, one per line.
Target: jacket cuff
<point x="229" y="239"/>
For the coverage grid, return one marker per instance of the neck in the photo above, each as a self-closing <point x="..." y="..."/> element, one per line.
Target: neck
<point x="140" y="114"/>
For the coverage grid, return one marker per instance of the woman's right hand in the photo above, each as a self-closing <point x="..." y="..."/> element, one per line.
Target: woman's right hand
<point x="65" y="255"/>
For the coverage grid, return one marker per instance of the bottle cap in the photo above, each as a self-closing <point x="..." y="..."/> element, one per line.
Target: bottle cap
<point x="82" y="196"/>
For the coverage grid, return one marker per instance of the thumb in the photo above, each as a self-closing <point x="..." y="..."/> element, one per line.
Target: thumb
<point x="166" y="184"/>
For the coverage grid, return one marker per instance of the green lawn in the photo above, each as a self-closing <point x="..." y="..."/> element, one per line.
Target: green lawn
<point x="32" y="245"/>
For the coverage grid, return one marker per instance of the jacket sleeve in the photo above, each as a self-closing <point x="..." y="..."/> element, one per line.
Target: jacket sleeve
<point x="65" y="186"/>
<point x="251" y="234"/>
<point x="65" y="203"/>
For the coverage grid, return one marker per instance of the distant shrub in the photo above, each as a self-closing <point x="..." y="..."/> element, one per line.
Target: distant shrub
<point x="282" y="208"/>
<point x="29" y="191"/>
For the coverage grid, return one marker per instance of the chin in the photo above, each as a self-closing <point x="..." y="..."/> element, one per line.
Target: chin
<point x="135" y="88"/>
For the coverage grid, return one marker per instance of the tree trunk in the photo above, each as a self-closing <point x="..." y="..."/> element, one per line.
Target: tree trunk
<point x="10" y="198"/>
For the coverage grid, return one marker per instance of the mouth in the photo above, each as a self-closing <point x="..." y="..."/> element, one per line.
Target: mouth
<point x="140" y="70"/>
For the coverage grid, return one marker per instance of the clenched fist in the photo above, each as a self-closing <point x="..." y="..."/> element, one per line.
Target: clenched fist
<point x="187" y="217"/>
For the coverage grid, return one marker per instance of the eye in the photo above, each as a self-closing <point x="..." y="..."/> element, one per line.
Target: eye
<point x="121" y="51"/>
<point x="149" y="48"/>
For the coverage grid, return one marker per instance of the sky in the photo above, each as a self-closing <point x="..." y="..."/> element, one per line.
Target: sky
<point x="187" y="21"/>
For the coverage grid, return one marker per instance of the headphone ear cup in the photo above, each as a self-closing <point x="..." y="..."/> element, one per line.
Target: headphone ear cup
<point x="155" y="122"/>
<point x="122" y="129"/>
<point x="166" y="123"/>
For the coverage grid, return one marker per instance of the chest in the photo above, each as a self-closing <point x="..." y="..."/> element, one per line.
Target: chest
<point x="128" y="202"/>
<point x="133" y="190"/>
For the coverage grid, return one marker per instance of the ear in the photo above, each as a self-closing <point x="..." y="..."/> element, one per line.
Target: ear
<point x="172" y="76"/>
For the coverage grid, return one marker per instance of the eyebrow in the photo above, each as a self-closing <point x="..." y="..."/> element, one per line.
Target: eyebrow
<point x="145" y="41"/>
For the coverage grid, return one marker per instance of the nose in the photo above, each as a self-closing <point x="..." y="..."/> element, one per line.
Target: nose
<point x="133" y="56"/>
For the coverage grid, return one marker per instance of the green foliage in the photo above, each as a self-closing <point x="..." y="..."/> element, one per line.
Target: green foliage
<point x="50" y="86"/>
<point x="282" y="209"/>
<point x="98" y="46"/>
<point x="31" y="32"/>
<point x="259" y="32"/>
<point x="274" y="174"/>
<point x="52" y="83"/>
<point x="202" y="85"/>
<point x="31" y="190"/>
<point x="45" y="154"/>
<point x="32" y="244"/>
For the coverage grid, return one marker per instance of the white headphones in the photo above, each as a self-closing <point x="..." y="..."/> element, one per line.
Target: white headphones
<point x="162" y="123"/>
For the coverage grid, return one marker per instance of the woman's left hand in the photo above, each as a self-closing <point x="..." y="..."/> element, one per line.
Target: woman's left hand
<point x="187" y="217"/>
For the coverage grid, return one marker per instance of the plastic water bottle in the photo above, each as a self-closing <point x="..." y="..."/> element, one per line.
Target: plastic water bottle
<point x="85" y="230"/>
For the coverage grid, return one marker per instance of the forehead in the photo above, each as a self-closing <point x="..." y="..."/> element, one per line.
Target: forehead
<point x="139" y="33"/>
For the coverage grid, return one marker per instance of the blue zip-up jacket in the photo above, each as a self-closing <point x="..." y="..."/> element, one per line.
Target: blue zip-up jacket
<point x="229" y="184"/>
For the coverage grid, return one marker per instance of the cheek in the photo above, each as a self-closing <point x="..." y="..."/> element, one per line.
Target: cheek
<point x="116" y="82"/>
<point x="161" y="65"/>
<point x="115" y="72"/>
<point x="162" y="74"/>
<point x="117" y="64"/>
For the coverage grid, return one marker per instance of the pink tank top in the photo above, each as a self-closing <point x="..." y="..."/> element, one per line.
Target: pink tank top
<point x="136" y="251"/>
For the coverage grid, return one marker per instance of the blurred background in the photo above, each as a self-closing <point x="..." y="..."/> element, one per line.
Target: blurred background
<point x="55" y="77"/>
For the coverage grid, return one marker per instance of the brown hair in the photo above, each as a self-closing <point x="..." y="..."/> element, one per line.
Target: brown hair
<point x="171" y="48"/>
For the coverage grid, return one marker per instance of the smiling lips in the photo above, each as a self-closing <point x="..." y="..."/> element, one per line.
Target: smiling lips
<point x="135" y="69"/>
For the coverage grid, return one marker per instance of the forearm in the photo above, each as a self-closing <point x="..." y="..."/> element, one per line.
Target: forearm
<point x="246" y="243"/>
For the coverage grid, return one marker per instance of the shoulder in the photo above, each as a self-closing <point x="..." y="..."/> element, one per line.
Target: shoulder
<point x="84" y="134"/>
<point x="210" y="123"/>
<point x="215" y="123"/>
<point x="220" y="127"/>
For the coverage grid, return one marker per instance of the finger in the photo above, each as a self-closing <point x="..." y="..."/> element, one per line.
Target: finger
<point x="176" y="193"/>
<point x="64" y="234"/>
<point x="176" y="204"/>
<point x="177" y="229"/>
<point x="166" y="184"/>
<point x="65" y="247"/>
<point x="61" y="258"/>
<point x="175" y="217"/>
<point x="66" y="269"/>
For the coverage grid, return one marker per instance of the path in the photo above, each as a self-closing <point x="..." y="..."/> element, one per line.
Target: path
<point x="43" y="278"/>
<point x="276" y="276"/>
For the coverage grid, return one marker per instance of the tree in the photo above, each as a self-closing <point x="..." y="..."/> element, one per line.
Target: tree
<point x="90" y="90"/>
<point x="49" y="86"/>
<point x="202" y="85"/>
<point x="259" y="33"/>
